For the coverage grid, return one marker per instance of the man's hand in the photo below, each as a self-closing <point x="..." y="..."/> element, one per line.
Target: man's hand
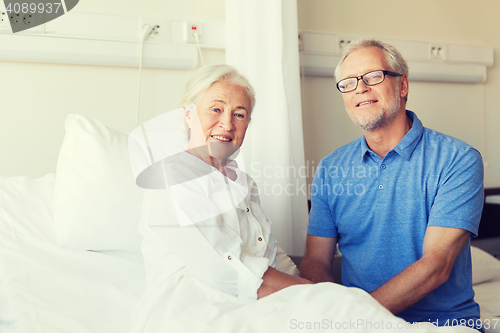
<point x="317" y="263"/>
<point x="440" y="250"/>
<point x="275" y="280"/>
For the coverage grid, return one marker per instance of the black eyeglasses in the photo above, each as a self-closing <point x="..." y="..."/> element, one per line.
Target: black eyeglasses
<point x="370" y="79"/>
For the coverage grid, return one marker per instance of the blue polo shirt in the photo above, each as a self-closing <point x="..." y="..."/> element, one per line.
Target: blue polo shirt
<point x="379" y="209"/>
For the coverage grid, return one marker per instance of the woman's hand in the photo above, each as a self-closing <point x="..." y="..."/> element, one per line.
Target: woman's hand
<point x="275" y="280"/>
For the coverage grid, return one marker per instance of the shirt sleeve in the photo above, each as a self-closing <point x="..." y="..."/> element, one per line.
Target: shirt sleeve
<point x="321" y="222"/>
<point x="460" y="197"/>
<point x="214" y="249"/>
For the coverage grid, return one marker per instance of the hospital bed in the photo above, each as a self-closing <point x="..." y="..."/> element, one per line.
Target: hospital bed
<point x="70" y="258"/>
<point x="487" y="287"/>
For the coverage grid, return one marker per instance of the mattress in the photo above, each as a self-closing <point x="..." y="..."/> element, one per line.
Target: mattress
<point x="488" y="298"/>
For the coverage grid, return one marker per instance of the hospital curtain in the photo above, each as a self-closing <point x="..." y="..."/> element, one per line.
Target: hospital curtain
<point x="262" y="43"/>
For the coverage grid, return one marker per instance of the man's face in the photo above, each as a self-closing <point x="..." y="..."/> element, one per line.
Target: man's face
<point x="372" y="107"/>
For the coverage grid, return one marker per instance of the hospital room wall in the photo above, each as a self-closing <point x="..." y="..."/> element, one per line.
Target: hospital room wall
<point x="36" y="98"/>
<point x="469" y="112"/>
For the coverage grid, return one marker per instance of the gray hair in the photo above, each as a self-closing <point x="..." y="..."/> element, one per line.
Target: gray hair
<point x="394" y="58"/>
<point x="204" y="77"/>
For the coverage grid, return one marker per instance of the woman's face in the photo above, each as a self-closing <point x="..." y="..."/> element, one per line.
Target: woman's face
<point x="221" y="120"/>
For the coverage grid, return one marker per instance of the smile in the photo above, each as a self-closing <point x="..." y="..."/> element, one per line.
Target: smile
<point x="366" y="102"/>
<point x="222" y="138"/>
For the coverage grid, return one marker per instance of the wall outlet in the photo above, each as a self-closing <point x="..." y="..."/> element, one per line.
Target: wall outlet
<point x="343" y="41"/>
<point x="29" y="20"/>
<point x="190" y="29"/>
<point x="16" y="21"/>
<point x="20" y="22"/>
<point x="157" y="29"/>
<point x="437" y="51"/>
<point x="159" y="33"/>
<point x="4" y="21"/>
<point x="212" y="35"/>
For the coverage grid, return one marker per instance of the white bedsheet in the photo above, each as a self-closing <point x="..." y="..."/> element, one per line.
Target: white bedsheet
<point x="183" y="304"/>
<point x="488" y="297"/>
<point x="48" y="289"/>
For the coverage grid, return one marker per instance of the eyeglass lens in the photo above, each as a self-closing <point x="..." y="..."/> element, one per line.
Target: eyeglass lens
<point x="369" y="79"/>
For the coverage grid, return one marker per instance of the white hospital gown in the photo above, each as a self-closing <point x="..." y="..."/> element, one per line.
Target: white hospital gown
<point x="217" y="230"/>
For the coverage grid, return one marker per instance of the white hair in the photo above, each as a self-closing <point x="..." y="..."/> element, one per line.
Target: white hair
<point x="204" y="77"/>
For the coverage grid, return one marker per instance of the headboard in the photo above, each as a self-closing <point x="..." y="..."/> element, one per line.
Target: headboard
<point x="490" y="220"/>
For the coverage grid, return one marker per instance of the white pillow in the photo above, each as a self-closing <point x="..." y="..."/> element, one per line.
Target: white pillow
<point x="97" y="205"/>
<point x="484" y="266"/>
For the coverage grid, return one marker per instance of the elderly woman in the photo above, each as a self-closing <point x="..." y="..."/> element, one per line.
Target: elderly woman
<point x="215" y="198"/>
<point x="204" y="229"/>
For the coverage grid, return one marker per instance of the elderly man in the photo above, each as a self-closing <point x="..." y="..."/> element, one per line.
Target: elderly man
<point x="402" y="201"/>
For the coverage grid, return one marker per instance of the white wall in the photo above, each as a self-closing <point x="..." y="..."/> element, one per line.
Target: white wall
<point x="466" y="111"/>
<point x="35" y="98"/>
